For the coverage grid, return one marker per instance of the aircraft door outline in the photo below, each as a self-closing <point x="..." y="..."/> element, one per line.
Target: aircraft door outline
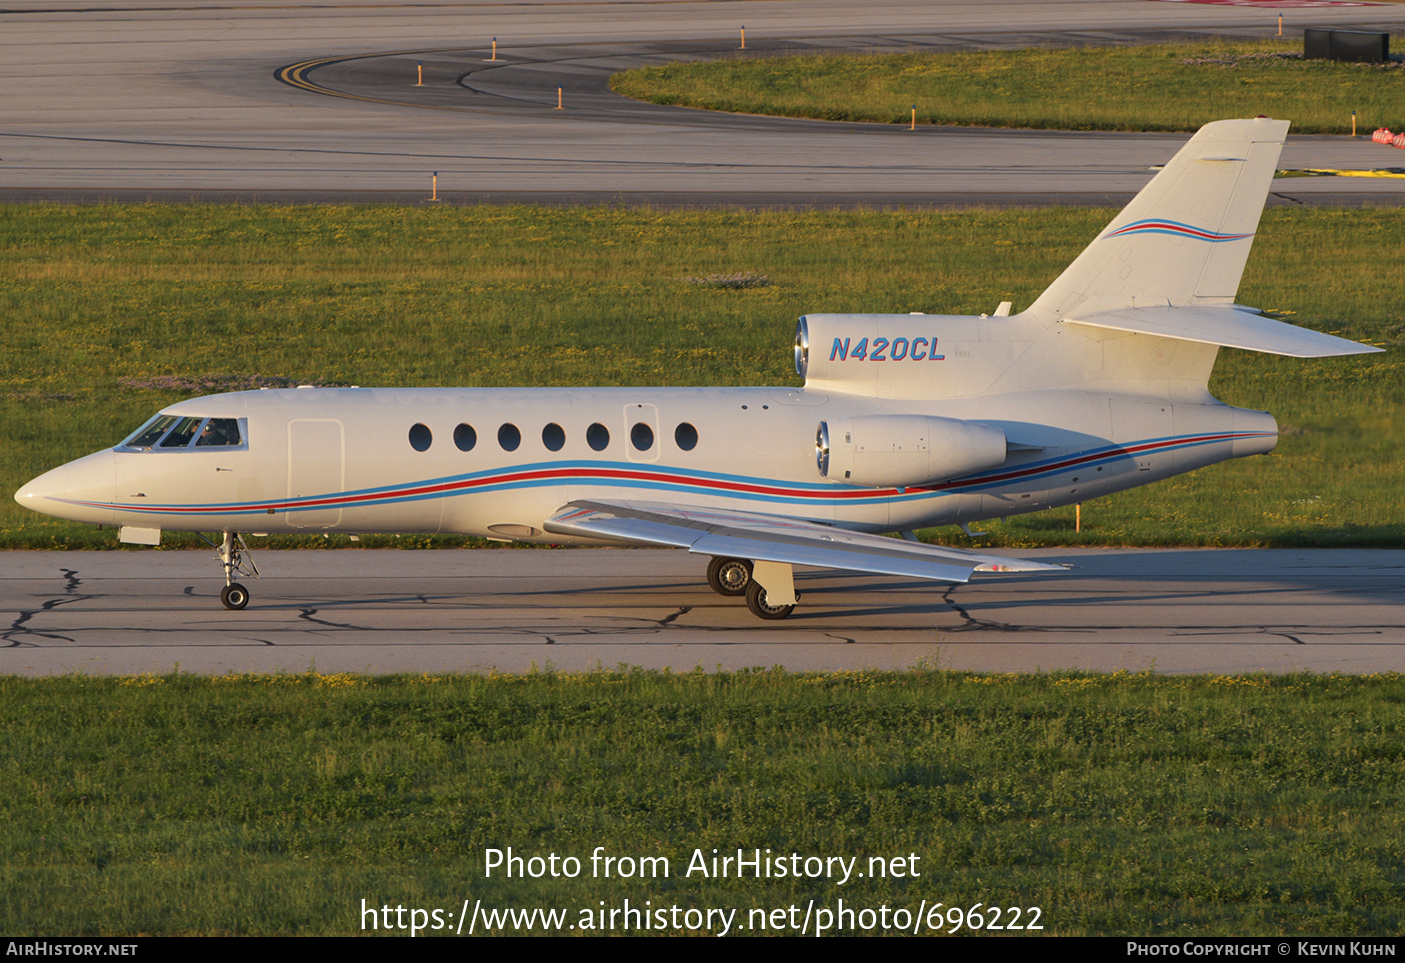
<point x="316" y="466"/>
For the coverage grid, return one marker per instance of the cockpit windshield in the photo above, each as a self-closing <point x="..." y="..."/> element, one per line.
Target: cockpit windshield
<point x="150" y="433"/>
<point x="176" y="433"/>
<point x="180" y="435"/>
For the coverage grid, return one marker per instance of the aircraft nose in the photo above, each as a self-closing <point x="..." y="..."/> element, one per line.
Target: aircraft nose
<point x="80" y="490"/>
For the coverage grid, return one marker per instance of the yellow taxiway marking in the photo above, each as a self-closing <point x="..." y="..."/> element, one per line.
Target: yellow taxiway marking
<point x="1329" y="172"/>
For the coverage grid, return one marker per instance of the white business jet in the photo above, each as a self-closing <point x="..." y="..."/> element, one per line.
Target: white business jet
<point x="905" y="422"/>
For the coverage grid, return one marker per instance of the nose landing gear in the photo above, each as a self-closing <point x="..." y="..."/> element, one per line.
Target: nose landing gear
<point x="234" y="556"/>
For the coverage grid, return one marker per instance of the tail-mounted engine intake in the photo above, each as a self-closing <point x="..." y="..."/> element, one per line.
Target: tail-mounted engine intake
<point x="899" y="451"/>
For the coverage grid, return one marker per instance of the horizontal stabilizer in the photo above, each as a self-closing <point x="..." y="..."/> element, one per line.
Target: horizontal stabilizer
<point x="1231" y="326"/>
<point x="767" y="538"/>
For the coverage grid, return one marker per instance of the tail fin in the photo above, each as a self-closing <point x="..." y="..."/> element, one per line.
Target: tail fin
<point x="1185" y="238"/>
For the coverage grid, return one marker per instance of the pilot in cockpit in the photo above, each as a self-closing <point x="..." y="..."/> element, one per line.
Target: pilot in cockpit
<point x="218" y="432"/>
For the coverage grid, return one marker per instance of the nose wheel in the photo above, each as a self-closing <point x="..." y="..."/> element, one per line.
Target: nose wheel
<point x="234" y="596"/>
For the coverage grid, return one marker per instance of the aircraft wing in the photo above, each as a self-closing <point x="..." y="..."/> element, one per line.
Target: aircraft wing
<point x="769" y="538"/>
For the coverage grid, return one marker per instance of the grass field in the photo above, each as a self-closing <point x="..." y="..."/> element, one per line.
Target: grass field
<point x="103" y="304"/>
<point x="1130" y="804"/>
<point x="1158" y="87"/>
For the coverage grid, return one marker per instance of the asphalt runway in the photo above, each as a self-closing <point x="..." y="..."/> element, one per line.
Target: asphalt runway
<point x="136" y="100"/>
<point x="1174" y="611"/>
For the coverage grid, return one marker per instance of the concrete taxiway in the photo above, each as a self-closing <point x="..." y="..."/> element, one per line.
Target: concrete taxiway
<point x="1226" y="611"/>
<point x="132" y="99"/>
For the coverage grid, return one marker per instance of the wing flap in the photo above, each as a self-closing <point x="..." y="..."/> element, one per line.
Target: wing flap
<point x="774" y="539"/>
<point x="1229" y="325"/>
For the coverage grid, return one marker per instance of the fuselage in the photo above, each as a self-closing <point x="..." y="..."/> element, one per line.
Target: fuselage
<point x="498" y="462"/>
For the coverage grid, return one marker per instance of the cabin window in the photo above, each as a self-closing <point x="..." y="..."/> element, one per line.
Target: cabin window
<point x="553" y="437"/>
<point x="685" y="436"/>
<point x="465" y="437"/>
<point x="598" y="437"/>
<point x="421" y="438"/>
<point x="641" y="436"/>
<point x="509" y="437"/>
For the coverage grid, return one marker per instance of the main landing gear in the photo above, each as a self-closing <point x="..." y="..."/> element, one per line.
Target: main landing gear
<point x="739" y="576"/>
<point x="234" y="556"/>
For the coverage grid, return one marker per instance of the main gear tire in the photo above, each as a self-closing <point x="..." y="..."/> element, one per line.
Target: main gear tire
<point x="756" y="601"/>
<point x="729" y="576"/>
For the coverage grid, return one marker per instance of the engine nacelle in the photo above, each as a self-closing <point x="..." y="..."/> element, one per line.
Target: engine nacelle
<point x="900" y="451"/>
